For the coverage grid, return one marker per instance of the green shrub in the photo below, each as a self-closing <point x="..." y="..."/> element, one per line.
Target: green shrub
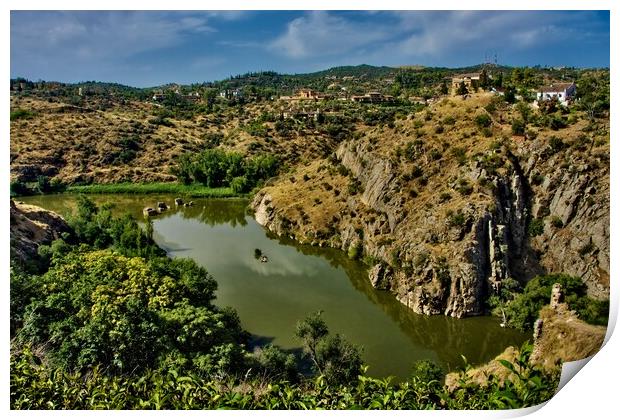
<point x="449" y="120"/>
<point x="464" y="187"/>
<point x="21" y="114"/>
<point x="239" y="184"/>
<point x="556" y="222"/>
<point x="536" y="227"/>
<point x="355" y="251"/>
<point x="483" y="120"/>
<point x="35" y="386"/>
<point x="18" y="188"/>
<point x="216" y="168"/>
<point x="460" y="154"/>
<point x="518" y="127"/>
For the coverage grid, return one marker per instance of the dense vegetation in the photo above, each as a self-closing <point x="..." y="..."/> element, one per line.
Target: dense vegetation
<point x="106" y="320"/>
<point x="215" y="168"/>
<point x="521" y="306"/>
<point x="34" y="386"/>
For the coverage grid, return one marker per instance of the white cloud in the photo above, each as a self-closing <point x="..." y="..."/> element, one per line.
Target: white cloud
<point x="101" y="34"/>
<point x="319" y="33"/>
<point x="438" y="33"/>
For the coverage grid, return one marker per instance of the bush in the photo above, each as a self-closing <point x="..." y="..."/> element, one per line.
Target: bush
<point x="239" y="184"/>
<point x="355" y="251"/>
<point x="518" y="127"/>
<point x="536" y="227"/>
<point x="449" y="120"/>
<point x="464" y="187"/>
<point x="556" y="222"/>
<point x="34" y="386"/>
<point x="556" y="144"/>
<point x="18" y="188"/>
<point x="20" y="114"/>
<point x="354" y="187"/>
<point x="161" y="120"/>
<point x="460" y="154"/>
<point x="457" y="219"/>
<point x="483" y="120"/>
<point x="275" y="364"/>
<point x="213" y="139"/>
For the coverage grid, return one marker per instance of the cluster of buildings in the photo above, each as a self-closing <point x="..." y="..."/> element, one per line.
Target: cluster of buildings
<point x="303" y="114"/>
<point x="307" y="95"/>
<point x="373" y="97"/>
<point x="564" y="93"/>
<point x="312" y="95"/>
<point x="159" y="96"/>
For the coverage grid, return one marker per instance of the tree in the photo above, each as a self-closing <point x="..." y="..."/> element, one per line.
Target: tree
<point x="333" y="357"/>
<point x="443" y="89"/>
<point x="499" y="80"/>
<point x="129" y="314"/>
<point x="593" y="93"/>
<point x="510" y="95"/>
<point x="525" y="110"/>
<point x="517" y="76"/>
<point x="484" y="79"/>
<point x="462" y="89"/>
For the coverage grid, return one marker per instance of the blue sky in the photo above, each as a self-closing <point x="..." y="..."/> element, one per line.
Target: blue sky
<point x="148" y="48"/>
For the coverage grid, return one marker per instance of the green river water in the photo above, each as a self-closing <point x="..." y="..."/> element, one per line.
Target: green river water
<point x="272" y="296"/>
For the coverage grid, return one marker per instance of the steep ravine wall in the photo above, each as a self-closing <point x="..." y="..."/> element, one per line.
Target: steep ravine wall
<point x="435" y="268"/>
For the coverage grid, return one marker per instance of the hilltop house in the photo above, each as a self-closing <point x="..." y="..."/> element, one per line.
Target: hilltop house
<point x="192" y="96"/>
<point x="231" y="94"/>
<point x="469" y="79"/>
<point x="372" y="97"/>
<point x="306" y="95"/>
<point x="563" y="92"/>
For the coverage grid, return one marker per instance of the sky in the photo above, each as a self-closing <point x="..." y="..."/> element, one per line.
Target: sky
<point x="150" y="48"/>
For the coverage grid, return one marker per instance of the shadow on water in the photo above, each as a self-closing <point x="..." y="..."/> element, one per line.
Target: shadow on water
<point x="397" y="336"/>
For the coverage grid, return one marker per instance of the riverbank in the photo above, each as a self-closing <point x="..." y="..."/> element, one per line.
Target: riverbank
<point x="197" y="191"/>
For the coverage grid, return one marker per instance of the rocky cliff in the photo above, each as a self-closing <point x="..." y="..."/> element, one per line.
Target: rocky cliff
<point x="32" y="226"/>
<point x="443" y="219"/>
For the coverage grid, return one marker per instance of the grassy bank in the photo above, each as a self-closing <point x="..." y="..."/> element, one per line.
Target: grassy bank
<point x="155" y="188"/>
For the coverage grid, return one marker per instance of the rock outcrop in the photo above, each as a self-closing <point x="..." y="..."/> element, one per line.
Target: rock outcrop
<point x="560" y="336"/>
<point x="32" y="226"/>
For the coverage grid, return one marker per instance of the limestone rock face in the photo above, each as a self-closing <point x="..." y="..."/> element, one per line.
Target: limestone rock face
<point x="436" y="260"/>
<point x="576" y="200"/>
<point x="32" y="226"/>
<point x="380" y="276"/>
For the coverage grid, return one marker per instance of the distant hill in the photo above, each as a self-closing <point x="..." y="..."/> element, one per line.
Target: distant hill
<point x="283" y="83"/>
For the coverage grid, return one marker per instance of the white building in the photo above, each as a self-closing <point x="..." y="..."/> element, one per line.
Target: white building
<point x="231" y="94"/>
<point x="563" y="92"/>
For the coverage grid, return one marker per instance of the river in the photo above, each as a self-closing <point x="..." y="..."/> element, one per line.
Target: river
<point x="297" y="280"/>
